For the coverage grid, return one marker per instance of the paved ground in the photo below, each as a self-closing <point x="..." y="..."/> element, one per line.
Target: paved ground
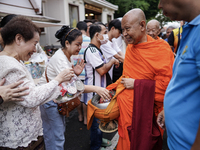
<point x="78" y="137"/>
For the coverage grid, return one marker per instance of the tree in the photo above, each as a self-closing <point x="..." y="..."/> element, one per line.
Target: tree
<point x="162" y="19"/>
<point x="152" y="10"/>
<point x="150" y="7"/>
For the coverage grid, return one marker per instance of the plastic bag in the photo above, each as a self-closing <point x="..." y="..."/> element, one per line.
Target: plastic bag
<point x="70" y="90"/>
<point x="35" y="69"/>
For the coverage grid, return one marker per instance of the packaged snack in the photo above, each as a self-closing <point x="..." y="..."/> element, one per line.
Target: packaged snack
<point x="99" y="102"/>
<point x="79" y="85"/>
<point x="112" y="93"/>
<point x="70" y="90"/>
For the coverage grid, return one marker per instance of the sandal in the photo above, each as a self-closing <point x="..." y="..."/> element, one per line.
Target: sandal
<point x="106" y="142"/>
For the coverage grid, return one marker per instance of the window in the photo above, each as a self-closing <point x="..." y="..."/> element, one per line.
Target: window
<point x="108" y="18"/>
<point x="74" y="15"/>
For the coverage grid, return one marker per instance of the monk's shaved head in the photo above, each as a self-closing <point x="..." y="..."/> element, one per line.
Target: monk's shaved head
<point x="154" y="23"/>
<point x="134" y="26"/>
<point x="153" y="28"/>
<point x="135" y="14"/>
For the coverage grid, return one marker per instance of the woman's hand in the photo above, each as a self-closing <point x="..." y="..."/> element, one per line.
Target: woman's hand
<point x="65" y="75"/>
<point x="128" y="83"/>
<point x="79" y="67"/>
<point x="103" y="92"/>
<point x="12" y="92"/>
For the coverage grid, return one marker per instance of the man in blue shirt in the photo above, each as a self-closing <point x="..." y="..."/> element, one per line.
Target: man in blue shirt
<point x="181" y="113"/>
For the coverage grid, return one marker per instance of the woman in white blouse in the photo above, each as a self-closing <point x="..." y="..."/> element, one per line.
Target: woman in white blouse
<point x="53" y="122"/>
<point x="20" y="122"/>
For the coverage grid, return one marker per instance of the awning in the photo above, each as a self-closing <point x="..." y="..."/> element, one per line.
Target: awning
<point x="102" y="3"/>
<point x="47" y="24"/>
<point x="40" y="21"/>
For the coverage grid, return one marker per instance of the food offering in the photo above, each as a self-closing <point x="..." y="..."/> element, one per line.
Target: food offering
<point x="108" y="125"/>
<point x="79" y="85"/>
<point x="70" y="90"/>
<point x="100" y="103"/>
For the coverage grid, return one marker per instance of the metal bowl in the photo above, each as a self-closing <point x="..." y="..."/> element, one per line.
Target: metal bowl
<point x="95" y="102"/>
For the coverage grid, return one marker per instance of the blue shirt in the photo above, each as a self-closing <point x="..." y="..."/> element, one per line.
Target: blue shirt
<point x="182" y="97"/>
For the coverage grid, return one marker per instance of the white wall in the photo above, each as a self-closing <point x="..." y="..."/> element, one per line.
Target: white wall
<point x="81" y="7"/>
<point x="105" y="13"/>
<point x="55" y="9"/>
<point x="59" y="9"/>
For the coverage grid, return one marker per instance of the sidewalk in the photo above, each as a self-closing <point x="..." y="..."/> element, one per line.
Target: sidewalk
<point x="77" y="137"/>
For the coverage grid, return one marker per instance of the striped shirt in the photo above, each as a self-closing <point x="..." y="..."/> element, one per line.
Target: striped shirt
<point x="94" y="59"/>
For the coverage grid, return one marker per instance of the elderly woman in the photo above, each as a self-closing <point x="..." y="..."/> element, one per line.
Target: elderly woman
<point x="20" y="122"/>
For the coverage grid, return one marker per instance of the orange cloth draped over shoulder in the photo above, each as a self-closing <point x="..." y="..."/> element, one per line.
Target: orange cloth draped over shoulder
<point x="151" y="60"/>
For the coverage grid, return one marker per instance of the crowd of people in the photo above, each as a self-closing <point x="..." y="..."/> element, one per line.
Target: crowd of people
<point x="94" y="52"/>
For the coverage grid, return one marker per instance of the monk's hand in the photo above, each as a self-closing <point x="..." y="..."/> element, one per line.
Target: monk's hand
<point x="161" y="119"/>
<point x="128" y="83"/>
<point x="103" y="92"/>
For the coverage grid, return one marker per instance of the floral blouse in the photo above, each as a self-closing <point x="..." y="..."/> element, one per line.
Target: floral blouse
<point x="20" y="122"/>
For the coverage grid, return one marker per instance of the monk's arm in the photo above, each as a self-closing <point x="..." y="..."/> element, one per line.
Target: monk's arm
<point x="196" y="144"/>
<point x="162" y="78"/>
<point x="106" y="67"/>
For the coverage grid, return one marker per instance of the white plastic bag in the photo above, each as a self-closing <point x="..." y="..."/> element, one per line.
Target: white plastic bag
<point x="70" y="90"/>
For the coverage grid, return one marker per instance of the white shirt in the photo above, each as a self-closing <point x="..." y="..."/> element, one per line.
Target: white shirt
<point x="109" y="50"/>
<point x="57" y="63"/>
<point x="120" y="43"/>
<point x="20" y="122"/>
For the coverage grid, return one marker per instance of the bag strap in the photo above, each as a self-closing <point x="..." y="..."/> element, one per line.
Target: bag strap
<point x="84" y="55"/>
<point x="46" y="75"/>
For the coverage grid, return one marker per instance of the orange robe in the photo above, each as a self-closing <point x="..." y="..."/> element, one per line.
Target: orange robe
<point x="151" y="60"/>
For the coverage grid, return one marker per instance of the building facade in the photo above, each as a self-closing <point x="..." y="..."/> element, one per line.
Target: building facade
<point x="50" y="15"/>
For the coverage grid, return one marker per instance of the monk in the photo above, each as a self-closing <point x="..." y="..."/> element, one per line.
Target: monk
<point x="146" y="58"/>
<point x="153" y="28"/>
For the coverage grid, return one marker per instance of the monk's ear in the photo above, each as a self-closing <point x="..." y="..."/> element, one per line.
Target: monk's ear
<point x="159" y="31"/>
<point x="143" y="25"/>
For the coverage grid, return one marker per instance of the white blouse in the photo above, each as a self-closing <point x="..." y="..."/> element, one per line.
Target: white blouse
<point x="20" y="122"/>
<point x="57" y="63"/>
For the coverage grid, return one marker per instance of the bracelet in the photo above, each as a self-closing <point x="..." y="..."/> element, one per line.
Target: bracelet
<point x="1" y="100"/>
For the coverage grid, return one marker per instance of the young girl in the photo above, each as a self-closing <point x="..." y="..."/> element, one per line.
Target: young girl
<point x="53" y="122"/>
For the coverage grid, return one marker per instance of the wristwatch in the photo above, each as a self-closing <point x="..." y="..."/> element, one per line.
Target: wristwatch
<point x="1" y="100"/>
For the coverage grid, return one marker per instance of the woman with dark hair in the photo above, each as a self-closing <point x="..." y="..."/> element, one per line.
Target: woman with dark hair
<point x="3" y="22"/>
<point x="20" y="122"/>
<point x="54" y="123"/>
